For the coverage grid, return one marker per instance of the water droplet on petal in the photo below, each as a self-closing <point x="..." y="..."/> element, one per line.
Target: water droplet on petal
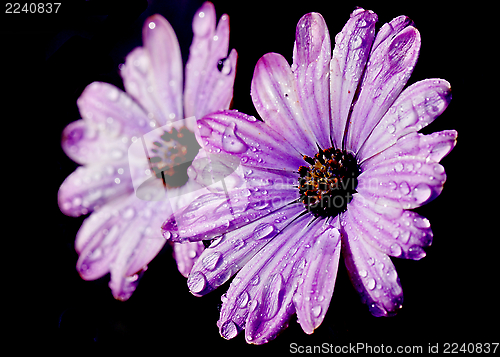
<point x="363" y="273"/>
<point x="371" y="284"/>
<point x="197" y="282"/>
<point x="263" y="230"/>
<point x="232" y="143"/>
<point x="422" y="192"/>
<point x="229" y="329"/>
<point x="357" y="42"/>
<point x="242" y="300"/>
<point x="210" y="261"/>
<point x="404" y="187"/>
<point x="395" y="250"/>
<point x="398" y="167"/>
<point x="128" y="213"/>
<point x="391" y="129"/>
<point x="316" y="311"/>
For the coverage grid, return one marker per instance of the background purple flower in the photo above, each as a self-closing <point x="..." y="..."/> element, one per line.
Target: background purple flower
<point x="340" y="128"/>
<point x="120" y="237"/>
<point x="56" y="57"/>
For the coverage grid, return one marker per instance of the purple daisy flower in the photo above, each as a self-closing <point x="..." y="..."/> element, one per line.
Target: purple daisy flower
<point x="120" y="236"/>
<point x="335" y="167"/>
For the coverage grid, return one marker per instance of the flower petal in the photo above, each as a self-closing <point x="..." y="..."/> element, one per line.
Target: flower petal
<point x="255" y="143"/>
<point x="276" y="99"/>
<point x="407" y="175"/>
<point x="311" y="59"/>
<point x="352" y="47"/>
<point x="414" y="109"/>
<point x="395" y="232"/>
<point x="389" y="68"/>
<point x="230" y="252"/>
<point x="153" y="74"/>
<point x="314" y="293"/>
<point x="213" y="214"/>
<point x="110" y="115"/>
<point x="372" y="273"/>
<point x="267" y="283"/>
<point x="210" y="72"/>
<point x="94" y="185"/>
<point x="119" y="238"/>
<point x="186" y="254"/>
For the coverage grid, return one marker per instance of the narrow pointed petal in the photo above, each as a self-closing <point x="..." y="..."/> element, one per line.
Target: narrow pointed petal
<point x="314" y="293"/>
<point x="254" y="143"/>
<point x="352" y="47"/>
<point x="311" y="67"/>
<point x="267" y="283"/>
<point x="210" y="71"/>
<point x="407" y="175"/>
<point x="230" y="252"/>
<point x="276" y="99"/>
<point x="414" y="109"/>
<point x="94" y="185"/>
<point x="372" y="273"/>
<point x="388" y="70"/>
<point x="395" y="232"/>
<point x="186" y="254"/>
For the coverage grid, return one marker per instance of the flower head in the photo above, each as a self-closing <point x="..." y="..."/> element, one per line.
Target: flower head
<point x="334" y="168"/>
<point x="121" y="236"/>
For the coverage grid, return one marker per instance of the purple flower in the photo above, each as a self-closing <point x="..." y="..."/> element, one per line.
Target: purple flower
<point x="336" y="167"/>
<point x="122" y="236"/>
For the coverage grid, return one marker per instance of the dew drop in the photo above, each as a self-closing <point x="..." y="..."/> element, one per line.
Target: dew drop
<point x="363" y="273"/>
<point x="404" y="188"/>
<point x="232" y="143"/>
<point x="391" y="129"/>
<point x="371" y="284"/>
<point x="422" y="192"/>
<point x="128" y="213"/>
<point x="357" y="42"/>
<point x="229" y="329"/>
<point x="242" y="300"/>
<point x="113" y="94"/>
<point x="197" y="282"/>
<point x="395" y="250"/>
<point x="316" y="311"/>
<point x="211" y="261"/>
<point x="398" y="167"/>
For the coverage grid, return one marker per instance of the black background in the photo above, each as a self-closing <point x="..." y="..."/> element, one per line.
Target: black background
<point x="48" y="59"/>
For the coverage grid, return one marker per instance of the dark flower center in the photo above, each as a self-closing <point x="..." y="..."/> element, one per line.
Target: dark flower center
<point x="328" y="183"/>
<point x="175" y="153"/>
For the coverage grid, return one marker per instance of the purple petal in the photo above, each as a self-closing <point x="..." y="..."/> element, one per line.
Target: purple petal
<point x="186" y="254"/>
<point x="407" y="175"/>
<point x="311" y="66"/>
<point x="389" y="68"/>
<point x="119" y="238"/>
<point x="352" y="47"/>
<point x="213" y="214"/>
<point x="314" y="293"/>
<point x="229" y="253"/>
<point x="260" y="296"/>
<point x="395" y="232"/>
<point x="153" y="74"/>
<point x="275" y="97"/>
<point x="414" y="109"/>
<point x="94" y="185"/>
<point x="210" y="72"/>
<point x="111" y="114"/>
<point x="253" y="142"/>
<point x="372" y="273"/>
